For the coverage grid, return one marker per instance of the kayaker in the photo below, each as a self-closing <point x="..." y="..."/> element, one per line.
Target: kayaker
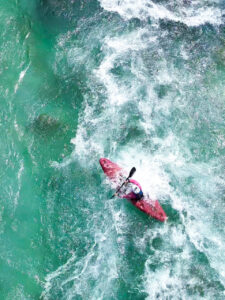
<point x="131" y="190"/>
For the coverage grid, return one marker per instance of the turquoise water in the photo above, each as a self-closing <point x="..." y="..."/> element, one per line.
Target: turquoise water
<point x="139" y="82"/>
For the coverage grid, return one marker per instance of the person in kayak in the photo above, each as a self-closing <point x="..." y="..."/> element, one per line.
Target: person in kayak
<point x="131" y="190"/>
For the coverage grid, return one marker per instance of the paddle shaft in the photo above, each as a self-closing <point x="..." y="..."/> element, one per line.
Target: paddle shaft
<point x="132" y="171"/>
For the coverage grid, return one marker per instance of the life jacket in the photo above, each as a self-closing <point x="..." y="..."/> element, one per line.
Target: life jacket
<point x="132" y="190"/>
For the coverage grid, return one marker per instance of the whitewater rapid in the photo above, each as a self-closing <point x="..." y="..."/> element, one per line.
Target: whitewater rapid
<point x="139" y="110"/>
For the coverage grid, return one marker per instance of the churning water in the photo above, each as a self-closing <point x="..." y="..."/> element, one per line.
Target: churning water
<point x="142" y="83"/>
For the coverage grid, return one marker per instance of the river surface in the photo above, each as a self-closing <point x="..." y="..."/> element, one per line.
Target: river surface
<point x="142" y="83"/>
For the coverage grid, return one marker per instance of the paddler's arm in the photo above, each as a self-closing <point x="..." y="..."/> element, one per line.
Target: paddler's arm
<point x="132" y="171"/>
<point x="125" y="183"/>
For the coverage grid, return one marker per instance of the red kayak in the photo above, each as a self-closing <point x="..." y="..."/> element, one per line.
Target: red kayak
<point x="117" y="175"/>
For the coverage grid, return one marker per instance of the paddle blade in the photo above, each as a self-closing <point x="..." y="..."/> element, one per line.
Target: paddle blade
<point x="132" y="171"/>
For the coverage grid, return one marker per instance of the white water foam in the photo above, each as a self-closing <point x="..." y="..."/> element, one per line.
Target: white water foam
<point x="97" y="268"/>
<point x="117" y="48"/>
<point x="194" y="14"/>
<point x="21" y="76"/>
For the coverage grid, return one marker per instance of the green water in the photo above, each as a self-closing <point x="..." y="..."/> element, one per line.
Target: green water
<point x="142" y="84"/>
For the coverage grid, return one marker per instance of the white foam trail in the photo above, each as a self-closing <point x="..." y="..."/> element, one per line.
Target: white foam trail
<point x="18" y="130"/>
<point x="98" y="266"/>
<point x="192" y="15"/>
<point x="84" y="142"/>
<point x="166" y="269"/>
<point x="50" y="277"/>
<point x="27" y="36"/>
<point x="116" y="48"/>
<point x="207" y="236"/>
<point x="175" y="274"/>
<point x="21" y="76"/>
<point x="20" y="172"/>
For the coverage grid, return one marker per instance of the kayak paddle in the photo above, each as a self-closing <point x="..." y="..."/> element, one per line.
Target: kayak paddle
<point x="132" y="171"/>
